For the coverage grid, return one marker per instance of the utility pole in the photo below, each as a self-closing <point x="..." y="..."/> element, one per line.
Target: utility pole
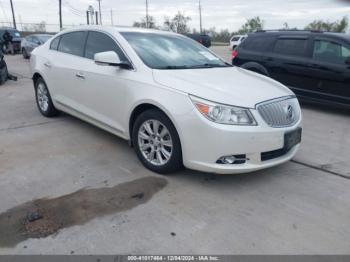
<point x="200" y="17"/>
<point x="87" y="17"/>
<point x="112" y="23"/>
<point x="13" y="16"/>
<point x="147" y="21"/>
<point x="96" y="14"/>
<point x="60" y="13"/>
<point x="99" y="9"/>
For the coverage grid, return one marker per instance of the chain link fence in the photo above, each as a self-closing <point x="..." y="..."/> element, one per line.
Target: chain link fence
<point x="37" y="27"/>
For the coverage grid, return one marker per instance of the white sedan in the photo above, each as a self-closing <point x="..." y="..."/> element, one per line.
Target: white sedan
<point x="176" y="102"/>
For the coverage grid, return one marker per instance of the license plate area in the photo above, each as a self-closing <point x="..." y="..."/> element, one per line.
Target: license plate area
<point x="292" y="138"/>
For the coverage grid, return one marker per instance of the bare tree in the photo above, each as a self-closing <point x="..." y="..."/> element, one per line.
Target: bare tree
<point x="252" y="25"/>
<point x="337" y="26"/>
<point x="178" y="24"/>
<point x="143" y="22"/>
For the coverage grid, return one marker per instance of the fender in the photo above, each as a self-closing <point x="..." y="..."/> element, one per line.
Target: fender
<point x="256" y="67"/>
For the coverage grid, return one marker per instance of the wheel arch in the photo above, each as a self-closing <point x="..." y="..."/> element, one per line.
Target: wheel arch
<point x="144" y="106"/>
<point x="36" y="76"/>
<point x="255" y="67"/>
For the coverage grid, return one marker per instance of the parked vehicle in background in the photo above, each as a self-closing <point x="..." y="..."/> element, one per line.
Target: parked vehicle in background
<point x="32" y="41"/>
<point x="16" y="38"/>
<point x="315" y="65"/>
<point x="236" y="40"/>
<point x="201" y="38"/>
<point x="173" y="99"/>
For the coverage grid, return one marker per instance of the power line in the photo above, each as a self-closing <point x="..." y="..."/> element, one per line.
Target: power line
<point x="73" y="9"/>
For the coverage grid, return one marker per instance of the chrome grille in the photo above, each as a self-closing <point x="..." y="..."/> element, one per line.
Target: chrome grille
<point x="281" y="112"/>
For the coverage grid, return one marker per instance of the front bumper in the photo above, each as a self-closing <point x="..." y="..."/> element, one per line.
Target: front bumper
<point x="204" y="142"/>
<point x="17" y="46"/>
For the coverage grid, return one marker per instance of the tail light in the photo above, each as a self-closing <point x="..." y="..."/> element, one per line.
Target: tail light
<point x="234" y="54"/>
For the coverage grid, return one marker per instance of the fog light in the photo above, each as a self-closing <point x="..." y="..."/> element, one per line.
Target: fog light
<point x="226" y="160"/>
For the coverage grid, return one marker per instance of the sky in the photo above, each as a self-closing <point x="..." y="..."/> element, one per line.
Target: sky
<point x="222" y="14"/>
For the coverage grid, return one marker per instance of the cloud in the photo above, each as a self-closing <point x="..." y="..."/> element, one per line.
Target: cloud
<point x="219" y="13"/>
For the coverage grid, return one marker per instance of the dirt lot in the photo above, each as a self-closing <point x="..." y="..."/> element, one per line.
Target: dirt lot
<point x="67" y="187"/>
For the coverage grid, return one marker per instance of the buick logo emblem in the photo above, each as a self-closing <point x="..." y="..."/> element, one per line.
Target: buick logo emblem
<point x="289" y="113"/>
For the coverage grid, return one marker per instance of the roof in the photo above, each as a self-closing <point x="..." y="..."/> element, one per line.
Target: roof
<point x="343" y="36"/>
<point x="118" y="29"/>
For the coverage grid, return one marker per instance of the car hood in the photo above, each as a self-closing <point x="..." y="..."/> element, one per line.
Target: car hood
<point x="229" y="85"/>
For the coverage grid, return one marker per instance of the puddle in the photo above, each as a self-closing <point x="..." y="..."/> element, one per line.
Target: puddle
<point x="43" y="217"/>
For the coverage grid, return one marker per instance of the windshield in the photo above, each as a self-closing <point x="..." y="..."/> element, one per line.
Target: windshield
<point x="14" y="33"/>
<point x="44" y="38"/>
<point x="160" y="51"/>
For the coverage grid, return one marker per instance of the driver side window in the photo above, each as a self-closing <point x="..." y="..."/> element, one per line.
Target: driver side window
<point x="99" y="42"/>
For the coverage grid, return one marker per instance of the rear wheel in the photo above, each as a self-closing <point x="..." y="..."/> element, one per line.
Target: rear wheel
<point x="24" y="53"/>
<point x="3" y="72"/>
<point x="43" y="99"/>
<point x="156" y="142"/>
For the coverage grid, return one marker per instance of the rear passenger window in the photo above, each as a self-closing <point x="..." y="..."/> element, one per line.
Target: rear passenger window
<point x="54" y="43"/>
<point x="258" y="43"/>
<point x="330" y="52"/>
<point x="100" y="42"/>
<point x="292" y="47"/>
<point x="73" y="43"/>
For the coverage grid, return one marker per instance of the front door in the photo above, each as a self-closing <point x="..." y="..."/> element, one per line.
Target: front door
<point x="102" y="88"/>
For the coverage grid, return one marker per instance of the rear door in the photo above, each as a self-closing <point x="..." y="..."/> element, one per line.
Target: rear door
<point x="329" y="70"/>
<point x="255" y="49"/>
<point x="289" y="61"/>
<point x="65" y="66"/>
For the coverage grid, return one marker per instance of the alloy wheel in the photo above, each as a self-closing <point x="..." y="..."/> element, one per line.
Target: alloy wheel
<point x="155" y="142"/>
<point x="42" y="96"/>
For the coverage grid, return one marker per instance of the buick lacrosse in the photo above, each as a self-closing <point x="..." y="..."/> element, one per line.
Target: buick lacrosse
<point x="175" y="101"/>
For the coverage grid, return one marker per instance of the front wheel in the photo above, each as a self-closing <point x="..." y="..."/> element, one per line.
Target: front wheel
<point x="24" y="53"/>
<point x="156" y="142"/>
<point x="43" y="99"/>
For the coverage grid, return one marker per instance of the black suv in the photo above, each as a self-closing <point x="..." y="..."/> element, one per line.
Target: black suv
<point x="16" y="37"/>
<point x="315" y="65"/>
<point x="201" y="38"/>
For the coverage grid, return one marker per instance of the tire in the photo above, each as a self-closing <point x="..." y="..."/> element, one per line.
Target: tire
<point x="24" y="53"/>
<point x="3" y="73"/>
<point x="159" y="144"/>
<point x="43" y="99"/>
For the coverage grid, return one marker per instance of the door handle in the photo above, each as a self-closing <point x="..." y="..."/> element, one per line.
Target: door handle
<point x="80" y="75"/>
<point x="47" y="64"/>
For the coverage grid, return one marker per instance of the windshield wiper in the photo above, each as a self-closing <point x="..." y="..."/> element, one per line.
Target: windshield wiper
<point x="174" y="67"/>
<point x="208" y="65"/>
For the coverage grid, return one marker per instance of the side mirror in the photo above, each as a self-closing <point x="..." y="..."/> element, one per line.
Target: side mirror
<point x="110" y="58"/>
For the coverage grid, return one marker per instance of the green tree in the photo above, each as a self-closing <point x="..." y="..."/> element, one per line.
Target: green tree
<point x="143" y="22"/>
<point x="178" y="24"/>
<point x="337" y="26"/>
<point x="252" y="25"/>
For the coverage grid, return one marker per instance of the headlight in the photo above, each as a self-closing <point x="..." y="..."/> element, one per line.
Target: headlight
<point x="224" y="114"/>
